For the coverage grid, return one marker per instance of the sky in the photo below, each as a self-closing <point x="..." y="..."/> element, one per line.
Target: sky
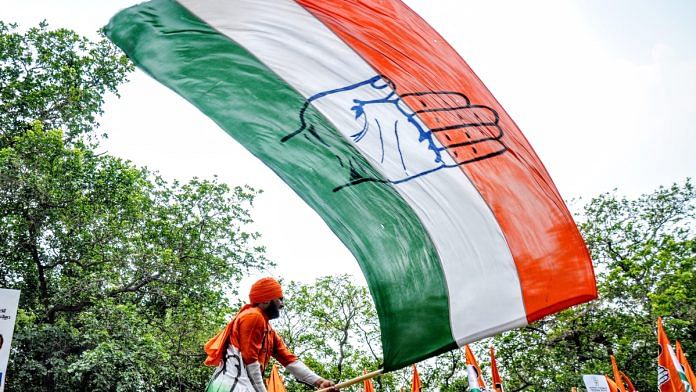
<point x="603" y="90"/>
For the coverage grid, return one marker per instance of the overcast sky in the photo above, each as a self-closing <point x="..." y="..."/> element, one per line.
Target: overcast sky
<point x="603" y="90"/>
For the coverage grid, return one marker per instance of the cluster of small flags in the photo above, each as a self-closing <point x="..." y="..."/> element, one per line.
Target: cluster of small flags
<point x="674" y="373"/>
<point x="476" y="383"/>
<point x="620" y="382"/>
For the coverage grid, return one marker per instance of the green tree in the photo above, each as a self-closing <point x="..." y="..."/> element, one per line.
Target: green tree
<point x="332" y="325"/>
<point x="57" y="77"/>
<point x="446" y="372"/>
<point x="644" y="252"/>
<point x="123" y="275"/>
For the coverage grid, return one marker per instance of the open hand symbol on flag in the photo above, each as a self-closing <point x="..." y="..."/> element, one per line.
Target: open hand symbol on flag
<point x="389" y="129"/>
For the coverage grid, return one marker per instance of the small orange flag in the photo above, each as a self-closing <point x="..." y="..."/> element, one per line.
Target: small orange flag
<point x="367" y="384"/>
<point x="612" y="385"/>
<point x="685" y="366"/>
<point x="275" y="382"/>
<point x="497" y="382"/>
<point x="668" y="379"/>
<point x="471" y="361"/>
<point x="415" y="383"/>
<point x="617" y="375"/>
<point x="628" y="382"/>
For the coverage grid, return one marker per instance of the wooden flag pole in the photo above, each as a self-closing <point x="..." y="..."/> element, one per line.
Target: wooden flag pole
<point x="355" y="380"/>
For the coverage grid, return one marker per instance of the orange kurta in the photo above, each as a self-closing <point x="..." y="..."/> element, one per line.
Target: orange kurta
<point x="256" y="340"/>
<point x="253" y="336"/>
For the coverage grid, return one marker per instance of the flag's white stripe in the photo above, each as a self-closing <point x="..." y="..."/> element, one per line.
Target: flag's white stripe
<point x="680" y="369"/>
<point x="473" y="378"/>
<point x="469" y="242"/>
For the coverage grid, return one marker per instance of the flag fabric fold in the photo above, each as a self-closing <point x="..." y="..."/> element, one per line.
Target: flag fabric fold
<point x="497" y="381"/>
<point x="617" y="375"/>
<point x="415" y="381"/>
<point x="627" y="381"/>
<point x="613" y="387"/>
<point x="686" y="367"/>
<point x="367" y="384"/>
<point x="670" y="375"/>
<point x="476" y="383"/>
<point x="384" y="130"/>
<point x="275" y="381"/>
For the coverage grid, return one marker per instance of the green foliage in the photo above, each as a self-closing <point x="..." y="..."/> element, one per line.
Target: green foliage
<point x="332" y="326"/>
<point x="57" y="77"/>
<point x="644" y="252"/>
<point x="123" y="276"/>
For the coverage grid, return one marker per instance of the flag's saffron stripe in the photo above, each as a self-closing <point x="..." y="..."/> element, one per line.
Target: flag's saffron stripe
<point x="470" y="244"/>
<point x="258" y="109"/>
<point x="552" y="261"/>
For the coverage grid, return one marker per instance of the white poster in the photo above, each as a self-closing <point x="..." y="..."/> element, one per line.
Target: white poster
<point x="9" y="299"/>
<point x="595" y="383"/>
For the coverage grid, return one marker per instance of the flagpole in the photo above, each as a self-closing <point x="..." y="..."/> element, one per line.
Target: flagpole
<point x="355" y="380"/>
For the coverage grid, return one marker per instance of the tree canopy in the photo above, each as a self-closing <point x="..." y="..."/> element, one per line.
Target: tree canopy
<point x="57" y="77"/>
<point x="122" y="274"/>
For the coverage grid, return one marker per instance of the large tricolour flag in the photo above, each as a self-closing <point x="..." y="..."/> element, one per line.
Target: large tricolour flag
<point x="382" y="128"/>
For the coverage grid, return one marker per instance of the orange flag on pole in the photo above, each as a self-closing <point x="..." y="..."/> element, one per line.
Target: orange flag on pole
<point x="476" y="383"/>
<point x="685" y="366"/>
<point x="415" y="383"/>
<point x="612" y="385"/>
<point x="670" y="378"/>
<point x="628" y="382"/>
<point x="617" y="375"/>
<point x="275" y="382"/>
<point x="367" y="384"/>
<point x="497" y="382"/>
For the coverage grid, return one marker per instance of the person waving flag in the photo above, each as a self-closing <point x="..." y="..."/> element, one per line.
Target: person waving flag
<point x="377" y="123"/>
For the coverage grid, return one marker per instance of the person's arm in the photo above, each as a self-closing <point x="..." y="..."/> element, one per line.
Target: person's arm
<point x="305" y="375"/>
<point x="255" y="376"/>
<point x="296" y="367"/>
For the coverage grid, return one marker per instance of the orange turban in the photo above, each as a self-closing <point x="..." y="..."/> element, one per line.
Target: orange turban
<point x="265" y="289"/>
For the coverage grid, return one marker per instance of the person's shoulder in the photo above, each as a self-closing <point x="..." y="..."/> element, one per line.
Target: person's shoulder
<point x="251" y="315"/>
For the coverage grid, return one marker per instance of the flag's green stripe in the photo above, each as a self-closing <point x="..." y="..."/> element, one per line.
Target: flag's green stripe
<point x="255" y="107"/>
